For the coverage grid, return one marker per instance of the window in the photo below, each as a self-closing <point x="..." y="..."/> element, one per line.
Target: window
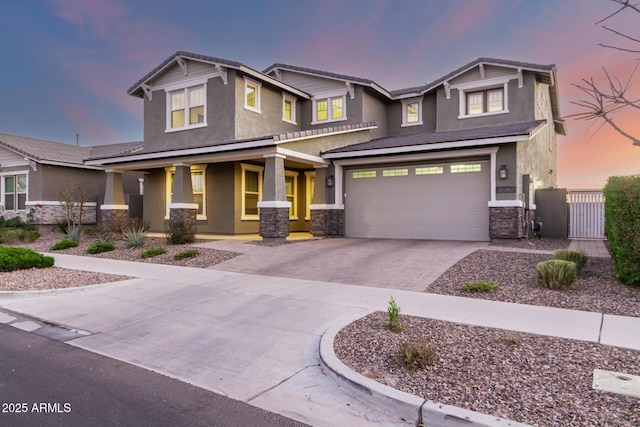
<point x="395" y="172"/>
<point x="469" y="167"/>
<point x="252" y="95"/>
<point x="291" y="188"/>
<point x="412" y="112"/>
<point x="364" y="174"/>
<point x="197" y="187"/>
<point x="430" y="170"/>
<point x="288" y="109"/>
<point x="251" y="191"/>
<point x="186" y="108"/>
<point x="14" y="191"/>
<point x="310" y="178"/>
<point x="485" y="101"/>
<point x="329" y="109"/>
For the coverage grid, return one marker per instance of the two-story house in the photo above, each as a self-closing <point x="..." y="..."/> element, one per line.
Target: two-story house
<point x="295" y="149"/>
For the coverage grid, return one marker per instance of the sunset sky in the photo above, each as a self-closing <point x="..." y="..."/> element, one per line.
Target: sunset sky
<point x="66" y="64"/>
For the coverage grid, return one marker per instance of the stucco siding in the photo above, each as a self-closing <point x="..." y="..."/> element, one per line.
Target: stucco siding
<point x="154" y="201"/>
<point x="219" y="111"/>
<point x="10" y="159"/>
<point x="55" y="179"/>
<point x="311" y="84"/>
<point x="374" y="110"/>
<point x="268" y="121"/>
<point x="509" y="188"/>
<point x="394" y="117"/>
<point x="220" y="199"/>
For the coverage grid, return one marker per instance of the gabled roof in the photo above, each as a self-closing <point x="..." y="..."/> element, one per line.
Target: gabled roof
<point x="326" y="74"/>
<point x="136" y="89"/>
<point x="50" y="152"/>
<point x="43" y="151"/>
<point x="408" y="143"/>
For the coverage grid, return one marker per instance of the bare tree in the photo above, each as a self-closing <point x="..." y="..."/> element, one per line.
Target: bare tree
<point x="602" y="103"/>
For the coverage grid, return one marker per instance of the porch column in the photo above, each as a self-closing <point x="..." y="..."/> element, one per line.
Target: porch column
<point x="327" y="216"/>
<point x="182" y="207"/>
<point x="274" y="207"/>
<point x="114" y="213"/>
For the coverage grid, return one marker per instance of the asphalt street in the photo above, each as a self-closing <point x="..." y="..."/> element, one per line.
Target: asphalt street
<point x="44" y="382"/>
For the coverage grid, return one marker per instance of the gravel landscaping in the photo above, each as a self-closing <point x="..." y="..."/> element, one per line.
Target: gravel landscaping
<point x="533" y="379"/>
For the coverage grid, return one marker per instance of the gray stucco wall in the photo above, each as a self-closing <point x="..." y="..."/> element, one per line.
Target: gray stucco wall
<point x="520" y="104"/>
<point x="269" y="121"/>
<point x="48" y="181"/>
<point x="154" y="201"/>
<point x="510" y="188"/>
<point x="220" y="117"/>
<point x="394" y="117"/>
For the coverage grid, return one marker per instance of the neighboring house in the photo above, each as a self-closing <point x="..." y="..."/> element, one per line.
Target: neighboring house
<point x="296" y="149"/>
<point x="33" y="174"/>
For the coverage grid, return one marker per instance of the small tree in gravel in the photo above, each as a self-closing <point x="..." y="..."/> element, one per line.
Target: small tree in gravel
<point x="394" y="316"/>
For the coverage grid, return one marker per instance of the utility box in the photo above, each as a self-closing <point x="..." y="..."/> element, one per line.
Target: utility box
<point x="551" y="208"/>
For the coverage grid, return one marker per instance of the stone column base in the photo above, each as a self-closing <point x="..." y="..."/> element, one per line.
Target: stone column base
<point x="274" y="224"/>
<point x="327" y="222"/>
<point x="114" y="219"/>
<point x="182" y="214"/>
<point x="506" y="222"/>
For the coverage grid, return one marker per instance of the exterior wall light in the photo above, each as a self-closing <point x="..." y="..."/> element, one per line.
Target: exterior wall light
<point x="503" y="172"/>
<point x="330" y="181"/>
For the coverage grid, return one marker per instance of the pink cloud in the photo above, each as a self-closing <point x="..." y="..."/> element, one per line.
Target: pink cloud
<point x="91" y="16"/>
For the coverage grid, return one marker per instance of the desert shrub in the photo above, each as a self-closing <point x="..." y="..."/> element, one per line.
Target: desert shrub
<point x="63" y="244"/>
<point x="151" y="252"/>
<point x="73" y="232"/>
<point x="480" y="287"/>
<point x="180" y="232"/>
<point x="21" y="258"/>
<point x="393" y="310"/>
<point x="133" y="236"/>
<point x="557" y="274"/>
<point x="417" y="353"/>
<point x="185" y="254"/>
<point x="578" y="257"/>
<point x="99" y="247"/>
<point x="14" y="235"/>
<point x="15" y="222"/>
<point x="622" y="225"/>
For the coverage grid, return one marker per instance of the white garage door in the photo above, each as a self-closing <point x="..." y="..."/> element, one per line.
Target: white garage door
<point x="438" y="202"/>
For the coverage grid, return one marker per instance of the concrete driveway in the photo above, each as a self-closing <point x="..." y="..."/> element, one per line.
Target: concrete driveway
<point x="386" y="263"/>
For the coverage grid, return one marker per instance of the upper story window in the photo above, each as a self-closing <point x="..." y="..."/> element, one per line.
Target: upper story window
<point x="485" y="101"/>
<point x="288" y="109"/>
<point x="329" y="109"/>
<point x="412" y="112"/>
<point x="186" y="108"/>
<point x="252" y="95"/>
<point x="14" y="192"/>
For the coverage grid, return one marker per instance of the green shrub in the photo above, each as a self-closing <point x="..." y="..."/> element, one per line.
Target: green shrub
<point x="481" y="287"/>
<point x="393" y="310"/>
<point x="21" y="258"/>
<point x="622" y="225"/>
<point x="151" y="252"/>
<point x="578" y="257"/>
<point x="133" y="237"/>
<point x="418" y="353"/>
<point x="99" y="247"/>
<point x="185" y="254"/>
<point x="180" y="232"/>
<point x="557" y="274"/>
<point x="13" y="235"/>
<point x="64" y="244"/>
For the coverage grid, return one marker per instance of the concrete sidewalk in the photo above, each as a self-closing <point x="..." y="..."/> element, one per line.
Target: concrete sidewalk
<point x="257" y="338"/>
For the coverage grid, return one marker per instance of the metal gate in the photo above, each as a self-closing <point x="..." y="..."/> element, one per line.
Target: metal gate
<point x="586" y="214"/>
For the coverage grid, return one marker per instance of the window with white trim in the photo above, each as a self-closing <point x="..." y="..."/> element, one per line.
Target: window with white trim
<point x="485" y="101"/>
<point x="14" y="192"/>
<point x="198" y="185"/>
<point x="412" y="112"/>
<point x="251" y="191"/>
<point x="310" y="181"/>
<point x="291" y="188"/>
<point x="330" y="109"/>
<point x="186" y="108"/>
<point x="288" y="109"/>
<point x="252" y="95"/>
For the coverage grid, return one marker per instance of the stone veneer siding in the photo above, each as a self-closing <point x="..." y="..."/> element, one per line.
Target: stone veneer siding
<point x="114" y="219"/>
<point x="506" y="223"/>
<point x="274" y="223"/>
<point x="327" y="222"/>
<point x="53" y="214"/>
<point x="182" y="215"/>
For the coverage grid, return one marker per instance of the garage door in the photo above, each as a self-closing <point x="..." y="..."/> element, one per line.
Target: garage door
<point x="438" y="202"/>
